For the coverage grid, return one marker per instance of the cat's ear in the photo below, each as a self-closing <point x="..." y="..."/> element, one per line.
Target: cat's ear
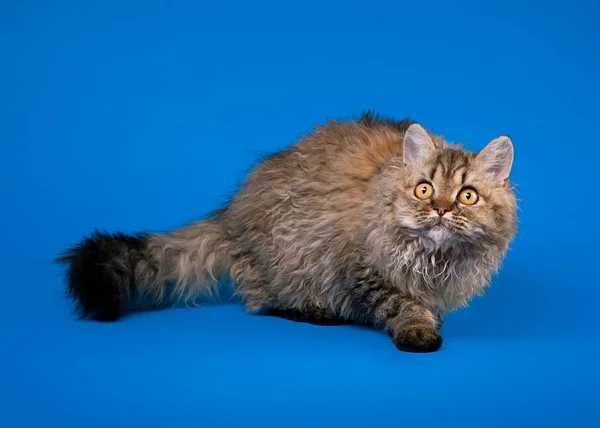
<point x="417" y="147"/>
<point x="496" y="159"/>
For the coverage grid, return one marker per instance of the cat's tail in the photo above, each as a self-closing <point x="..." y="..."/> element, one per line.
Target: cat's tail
<point x="107" y="272"/>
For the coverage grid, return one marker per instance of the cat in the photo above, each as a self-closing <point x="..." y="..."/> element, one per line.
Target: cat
<point x="371" y="221"/>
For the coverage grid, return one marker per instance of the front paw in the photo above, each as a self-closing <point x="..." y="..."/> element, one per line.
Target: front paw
<point x="417" y="338"/>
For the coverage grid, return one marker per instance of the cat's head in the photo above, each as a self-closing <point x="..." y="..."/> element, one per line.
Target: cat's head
<point x="450" y="195"/>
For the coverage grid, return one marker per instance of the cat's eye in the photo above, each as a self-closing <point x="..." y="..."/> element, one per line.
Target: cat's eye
<point x="424" y="191"/>
<point x="468" y="196"/>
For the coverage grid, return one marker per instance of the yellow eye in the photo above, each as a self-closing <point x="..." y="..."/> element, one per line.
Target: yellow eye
<point x="468" y="196"/>
<point x="424" y="191"/>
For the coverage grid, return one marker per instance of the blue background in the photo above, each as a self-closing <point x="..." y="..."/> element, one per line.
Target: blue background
<point x="134" y="116"/>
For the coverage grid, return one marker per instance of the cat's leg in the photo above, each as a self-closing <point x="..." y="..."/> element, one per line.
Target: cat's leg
<point x="260" y="295"/>
<point x="440" y="317"/>
<point x="412" y="326"/>
<point x="312" y="315"/>
<point x="252" y="283"/>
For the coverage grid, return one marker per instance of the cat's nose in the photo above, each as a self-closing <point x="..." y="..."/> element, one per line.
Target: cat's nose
<point x="442" y="205"/>
<point x="441" y="210"/>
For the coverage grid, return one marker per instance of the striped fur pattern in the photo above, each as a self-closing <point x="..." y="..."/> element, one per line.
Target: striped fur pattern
<point x="328" y="231"/>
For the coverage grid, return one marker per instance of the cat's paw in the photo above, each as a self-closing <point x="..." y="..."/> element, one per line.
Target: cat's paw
<point x="418" y="338"/>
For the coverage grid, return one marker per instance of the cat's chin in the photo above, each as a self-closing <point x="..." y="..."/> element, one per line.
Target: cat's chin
<point x="440" y="235"/>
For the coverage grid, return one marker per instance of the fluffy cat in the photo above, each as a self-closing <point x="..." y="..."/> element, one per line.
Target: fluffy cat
<point x="370" y="221"/>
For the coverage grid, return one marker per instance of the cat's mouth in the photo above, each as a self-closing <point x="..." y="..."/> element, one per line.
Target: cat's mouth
<point x="442" y="231"/>
<point x="439" y="223"/>
<point x="441" y="227"/>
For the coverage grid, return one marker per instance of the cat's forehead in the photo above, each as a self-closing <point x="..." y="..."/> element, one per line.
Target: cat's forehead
<point x="450" y="164"/>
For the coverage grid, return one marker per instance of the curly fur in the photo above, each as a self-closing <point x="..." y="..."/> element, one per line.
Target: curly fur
<point x="328" y="230"/>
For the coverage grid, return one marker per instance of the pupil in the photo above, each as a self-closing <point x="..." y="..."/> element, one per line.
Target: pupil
<point x="468" y="195"/>
<point x="424" y="190"/>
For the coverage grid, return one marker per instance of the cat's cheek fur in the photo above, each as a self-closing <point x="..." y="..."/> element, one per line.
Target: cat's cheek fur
<point x="407" y="220"/>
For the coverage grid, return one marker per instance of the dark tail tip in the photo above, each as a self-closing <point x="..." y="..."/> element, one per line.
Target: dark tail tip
<point x="100" y="275"/>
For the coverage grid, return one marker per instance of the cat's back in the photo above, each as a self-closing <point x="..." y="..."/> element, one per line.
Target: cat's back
<point x="326" y="172"/>
<point x="337" y="155"/>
